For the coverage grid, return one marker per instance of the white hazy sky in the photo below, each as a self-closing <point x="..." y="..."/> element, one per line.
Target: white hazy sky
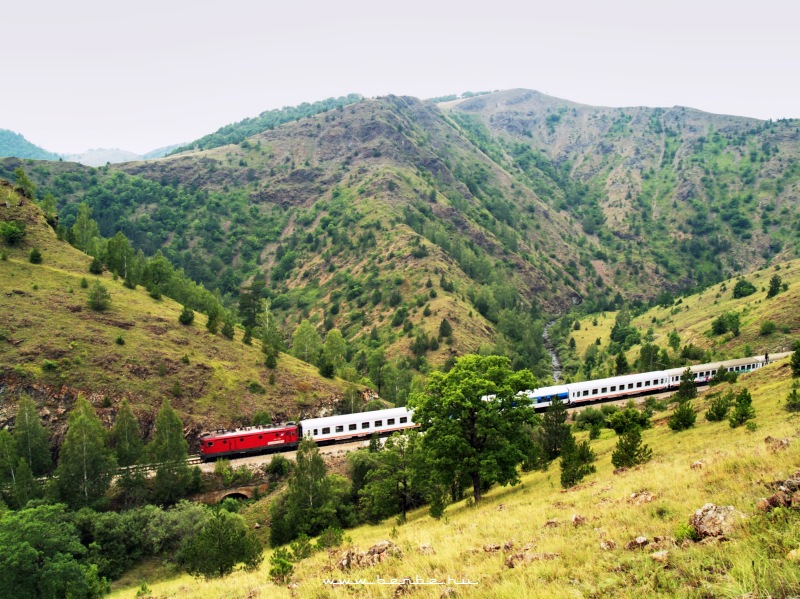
<point x="143" y="74"/>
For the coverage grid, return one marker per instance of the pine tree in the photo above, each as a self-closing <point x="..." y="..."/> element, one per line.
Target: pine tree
<point x="445" y="330"/>
<point x="630" y="451"/>
<point x="743" y="409"/>
<point x="126" y="437"/>
<point x="555" y="431"/>
<point x="31" y="438"/>
<point x="576" y="461"/>
<point x="795" y="363"/>
<point x="774" y="286"/>
<point x="99" y="297"/>
<point x="227" y="329"/>
<point x="687" y="389"/>
<point x="223" y="542"/>
<point x="622" y="366"/>
<point x="186" y="317"/>
<point x="35" y="256"/>
<point x="170" y="451"/>
<point x="86" y="463"/>
<point x="792" y="402"/>
<point x="683" y="417"/>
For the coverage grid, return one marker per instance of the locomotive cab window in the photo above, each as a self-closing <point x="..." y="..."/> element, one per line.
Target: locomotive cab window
<point x="326" y="430"/>
<point x="209" y="444"/>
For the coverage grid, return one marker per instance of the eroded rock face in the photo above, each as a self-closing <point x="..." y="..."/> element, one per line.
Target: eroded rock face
<point x="715" y="521"/>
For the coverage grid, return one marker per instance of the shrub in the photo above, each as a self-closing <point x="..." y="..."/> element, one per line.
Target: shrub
<point x="767" y="328"/>
<point x="186" y="316"/>
<point x="256" y="387"/>
<point x="729" y="321"/>
<point x="84" y="283"/>
<point x="333" y="536"/>
<point x="686" y="531"/>
<point x="279" y="467"/>
<point x="627" y="419"/>
<point x="743" y="288"/>
<point x="588" y="418"/>
<point x="155" y="292"/>
<point x="683" y="417"/>
<point x="282" y="569"/>
<point x="120" y="340"/>
<point x="227" y="330"/>
<point x="99" y="298"/>
<point x="49" y="365"/>
<point x="12" y="232"/>
<point x="301" y="548"/>
<point x="35" y="257"/>
<point x="723" y="376"/>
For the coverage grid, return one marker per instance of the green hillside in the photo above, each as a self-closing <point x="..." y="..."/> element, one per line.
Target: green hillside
<point x="14" y="144"/>
<point x="54" y="346"/>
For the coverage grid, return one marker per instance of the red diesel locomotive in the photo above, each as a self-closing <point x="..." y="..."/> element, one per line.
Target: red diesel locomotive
<point x="249" y="440"/>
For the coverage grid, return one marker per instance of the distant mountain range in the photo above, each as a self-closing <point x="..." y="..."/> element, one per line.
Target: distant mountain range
<point x="15" y="145"/>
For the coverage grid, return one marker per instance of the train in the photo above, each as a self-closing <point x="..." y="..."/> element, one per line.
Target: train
<point x="329" y="429"/>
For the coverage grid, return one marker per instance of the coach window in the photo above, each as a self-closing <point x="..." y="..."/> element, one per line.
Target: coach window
<point x="613" y="388"/>
<point x="585" y="392"/>
<point x="390" y="421"/>
<point x="594" y="391"/>
<point x="352" y="427"/>
<point x="403" y="419"/>
<point x="340" y="428"/>
<point x="326" y="430"/>
<point x="647" y="383"/>
<point x="379" y="423"/>
<point x="315" y="432"/>
<point x="604" y="390"/>
<point x="639" y="384"/>
<point x="365" y="425"/>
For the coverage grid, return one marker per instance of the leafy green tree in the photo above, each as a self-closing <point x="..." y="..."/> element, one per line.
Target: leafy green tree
<point x="223" y="542"/>
<point x="743" y="288"/>
<point x="13" y="232"/>
<point x="8" y="457"/>
<point x="576" y="461"/>
<point x="251" y="303"/>
<point x="686" y="389"/>
<point x="630" y="450"/>
<point x="306" y="343"/>
<point x="158" y="272"/>
<point x="99" y="297"/>
<point x="335" y="348"/>
<point x="393" y="485"/>
<point x="23" y="184"/>
<point x="683" y="417"/>
<point x="742" y="409"/>
<point x="555" y="430"/>
<point x="85" y="230"/>
<point x="170" y="451"/>
<point x="86" y="463"/>
<point x="674" y="340"/>
<point x="623" y="420"/>
<point x="31" y="438"/>
<point x="119" y="255"/>
<point x="43" y="558"/>
<point x="482" y="439"/>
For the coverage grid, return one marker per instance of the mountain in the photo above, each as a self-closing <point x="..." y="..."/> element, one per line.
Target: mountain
<point x="669" y="197"/>
<point x="53" y="346"/>
<point x="14" y="144"/>
<point x="103" y="156"/>
<point x="494" y="212"/>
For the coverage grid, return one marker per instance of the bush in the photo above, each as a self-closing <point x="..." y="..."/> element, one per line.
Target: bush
<point x="256" y="387"/>
<point x="262" y="417"/>
<point x="99" y="297"/>
<point x="227" y="330"/>
<point x="588" y="418"/>
<point x="723" y="376"/>
<point x="282" y="569"/>
<point x="743" y="288"/>
<point x="627" y="419"/>
<point x="35" y="257"/>
<point x="49" y="365"/>
<point x="155" y="292"/>
<point x="767" y="328"/>
<point x="84" y="283"/>
<point x="12" y="232"/>
<point x="96" y="267"/>
<point x="718" y="410"/>
<point x="301" y="548"/>
<point x="683" y="417"/>
<point x="729" y="321"/>
<point x="686" y="531"/>
<point x="333" y="536"/>
<point x="186" y="316"/>
<point x="120" y="340"/>
<point x="279" y="467"/>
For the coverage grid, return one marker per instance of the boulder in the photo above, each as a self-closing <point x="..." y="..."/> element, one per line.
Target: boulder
<point x="714" y="521"/>
<point x="698" y="465"/>
<point x="551" y="523"/>
<point x="641" y="498"/>
<point x="608" y="545"/>
<point x="637" y="543"/>
<point x="519" y="559"/>
<point x="578" y="520"/>
<point x="491" y="548"/>
<point x="426" y="549"/>
<point x="662" y="557"/>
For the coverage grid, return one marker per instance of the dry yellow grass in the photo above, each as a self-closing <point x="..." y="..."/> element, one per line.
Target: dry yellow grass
<point x="737" y="463"/>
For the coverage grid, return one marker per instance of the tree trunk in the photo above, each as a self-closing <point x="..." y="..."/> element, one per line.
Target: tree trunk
<point x="476" y="486"/>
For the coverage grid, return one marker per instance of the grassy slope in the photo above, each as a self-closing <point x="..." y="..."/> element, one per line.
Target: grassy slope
<point x="692" y="318"/>
<point x="737" y="463"/>
<point x="45" y="316"/>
